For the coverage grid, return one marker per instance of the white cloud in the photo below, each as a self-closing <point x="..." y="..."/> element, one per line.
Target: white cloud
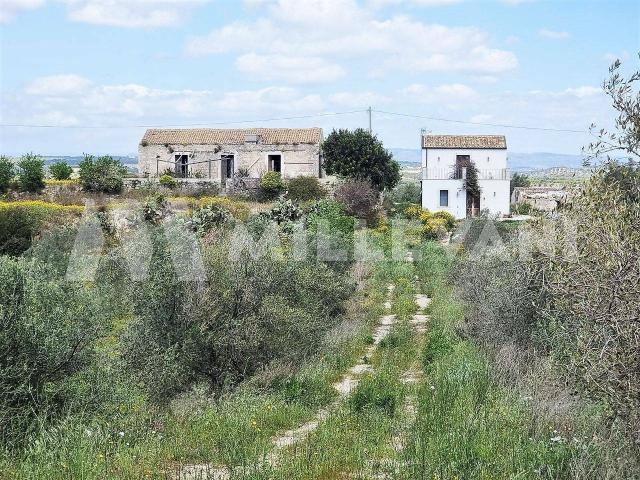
<point x="58" y="85"/>
<point x="586" y="91"/>
<point x="481" y="118"/>
<point x="10" y="8"/>
<point x="290" y="69"/>
<point x="447" y="94"/>
<point x="357" y="99"/>
<point x="344" y="31"/>
<point x="553" y="34"/>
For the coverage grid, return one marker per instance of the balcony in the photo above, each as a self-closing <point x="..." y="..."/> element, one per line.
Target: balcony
<point x="452" y="173"/>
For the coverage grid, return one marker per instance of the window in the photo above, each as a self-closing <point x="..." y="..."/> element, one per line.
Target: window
<point x="444" y="198"/>
<point x="182" y="165"/>
<point x="275" y="163"/>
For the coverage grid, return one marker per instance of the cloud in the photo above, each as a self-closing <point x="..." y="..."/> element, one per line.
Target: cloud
<point x="447" y="94"/>
<point x="10" y="8"/>
<point x="357" y="99"/>
<point x="553" y="34"/>
<point x="58" y="85"/>
<point x="481" y="118"/>
<point x="582" y="92"/>
<point x="291" y="69"/>
<point x="345" y="32"/>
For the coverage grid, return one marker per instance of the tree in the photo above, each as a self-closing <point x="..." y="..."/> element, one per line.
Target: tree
<point x="625" y="140"/>
<point x="7" y="171"/>
<point x="103" y="174"/>
<point x="31" y="172"/>
<point x="60" y="170"/>
<point x="519" y="180"/>
<point x="361" y="156"/>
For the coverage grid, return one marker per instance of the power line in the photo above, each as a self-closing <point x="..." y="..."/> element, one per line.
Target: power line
<point x="439" y="119"/>
<point x="234" y="122"/>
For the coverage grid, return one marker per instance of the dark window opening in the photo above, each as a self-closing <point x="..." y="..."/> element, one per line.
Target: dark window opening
<point x="275" y="163"/>
<point x="182" y="166"/>
<point x="227" y="168"/>
<point x="444" y="198"/>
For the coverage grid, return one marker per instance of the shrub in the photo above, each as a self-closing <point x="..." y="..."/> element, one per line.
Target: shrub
<point x="47" y="326"/>
<point x="284" y="211"/>
<point x="433" y="225"/>
<point x="239" y="210"/>
<point x="21" y="221"/>
<point x="404" y="195"/>
<point x="103" y="174"/>
<point x="271" y="184"/>
<point x="204" y="219"/>
<point x="168" y="181"/>
<point x="359" y="198"/>
<point x="449" y="220"/>
<point x="31" y="173"/>
<point x="7" y="171"/>
<point x="331" y="234"/>
<point x="60" y="170"/>
<point x="301" y="189"/>
<point x="155" y="208"/>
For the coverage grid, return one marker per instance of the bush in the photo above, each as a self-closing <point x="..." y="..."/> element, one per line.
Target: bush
<point x="31" y="173"/>
<point x="104" y="174"/>
<point x="47" y="326"/>
<point x="271" y="184"/>
<point x="433" y="225"/>
<point x="378" y="392"/>
<point x="239" y="210"/>
<point x="21" y="221"/>
<point x="404" y="195"/>
<point x="301" y="189"/>
<point x="168" y="181"/>
<point x="60" y="170"/>
<point x="204" y="219"/>
<point x="330" y="229"/>
<point x="359" y="199"/>
<point x="284" y="211"/>
<point x="257" y="310"/>
<point x="7" y="171"/>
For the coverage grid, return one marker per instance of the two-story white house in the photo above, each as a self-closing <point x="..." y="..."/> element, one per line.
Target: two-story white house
<point x="446" y="160"/>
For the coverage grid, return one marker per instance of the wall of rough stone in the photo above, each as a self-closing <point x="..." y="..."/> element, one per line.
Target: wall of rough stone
<point x="297" y="159"/>
<point x="541" y="198"/>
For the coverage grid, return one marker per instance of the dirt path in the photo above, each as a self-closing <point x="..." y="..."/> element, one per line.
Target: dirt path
<point x="291" y="437"/>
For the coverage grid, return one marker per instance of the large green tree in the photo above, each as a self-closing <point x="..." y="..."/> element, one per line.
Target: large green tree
<point x="360" y="155"/>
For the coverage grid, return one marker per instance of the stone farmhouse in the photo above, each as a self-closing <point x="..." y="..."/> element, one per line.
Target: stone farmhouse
<point x="217" y="154"/>
<point x="445" y="161"/>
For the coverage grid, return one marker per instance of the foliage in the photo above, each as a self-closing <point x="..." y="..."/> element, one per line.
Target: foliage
<point x="103" y="174"/>
<point x="31" y="173"/>
<point x="379" y="392"/>
<point x="271" y="184"/>
<point x="239" y="210"/>
<point x="21" y="221"/>
<point x="404" y="195"/>
<point x="331" y="233"/>
<point x="155" y="208"/>
<point x="284" y="211"/>
<point x="7" y="172"/>
<point x="433" y="225"/>
<point x="60" y="170"/>
<point x="168" y="181"/>
<point x="519" y="180"/>
<point x="304" y="188"/>
<point x="256" y="311"/>
<point x="205" y="218"/>
<point x="592" y="286"/>
<point x="625" y="139"/>
<point x="47" y="329"/>
<point x="360" y="156"/>
<point x="359" y="198"/>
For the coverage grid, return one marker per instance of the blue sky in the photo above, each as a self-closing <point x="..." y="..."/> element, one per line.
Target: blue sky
<point x="118" y="65"/>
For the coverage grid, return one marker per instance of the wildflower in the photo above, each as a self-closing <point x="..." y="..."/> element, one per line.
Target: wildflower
<point x="121" y="434"/>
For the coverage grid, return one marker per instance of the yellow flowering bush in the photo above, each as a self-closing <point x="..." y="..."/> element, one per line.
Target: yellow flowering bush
<point x="239" y="210"/>
<point x="433" y="225"/>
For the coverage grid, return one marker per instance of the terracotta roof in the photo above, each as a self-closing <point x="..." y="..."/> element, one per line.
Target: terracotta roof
<point x="236" y="136"/>
<point x="464" y="141"/>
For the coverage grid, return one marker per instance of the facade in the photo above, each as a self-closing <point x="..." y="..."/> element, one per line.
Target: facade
<point x="445" y="162"/>
<point x="216" y="154"/>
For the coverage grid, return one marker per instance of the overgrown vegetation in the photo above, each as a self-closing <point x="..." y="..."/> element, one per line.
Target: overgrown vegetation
<point x="60" y="170"/>
<point x="103" y="174"/>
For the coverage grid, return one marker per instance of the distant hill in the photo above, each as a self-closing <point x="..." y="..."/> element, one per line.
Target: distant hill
<point x="75" y="160"/>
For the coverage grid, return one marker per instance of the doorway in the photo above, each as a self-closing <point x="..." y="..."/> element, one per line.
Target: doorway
<point x="275" y="163"/>
<point x="227" y="168"/>
<point x="182" y="165"/>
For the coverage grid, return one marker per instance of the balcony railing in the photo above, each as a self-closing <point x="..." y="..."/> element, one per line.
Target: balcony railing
<point x="460" y="173"/>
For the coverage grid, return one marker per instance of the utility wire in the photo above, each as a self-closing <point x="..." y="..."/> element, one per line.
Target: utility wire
<point x="523" y="127"/>
<point x="234" y="122"/>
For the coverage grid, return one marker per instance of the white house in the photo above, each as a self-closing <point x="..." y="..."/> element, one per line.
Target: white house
<point x="217" y="154"/>
<point x="445" y="162"/>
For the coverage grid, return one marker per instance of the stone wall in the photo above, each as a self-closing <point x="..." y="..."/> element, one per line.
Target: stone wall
<point x="546" y="199"/>
<point x="205" y="160"/>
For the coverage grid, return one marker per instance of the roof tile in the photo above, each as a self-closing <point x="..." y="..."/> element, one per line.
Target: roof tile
<point x="464" y="141"/>
<point x="207" y="136"/>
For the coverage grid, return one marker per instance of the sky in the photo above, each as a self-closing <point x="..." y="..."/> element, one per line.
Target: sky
<point x="89" y="75"/>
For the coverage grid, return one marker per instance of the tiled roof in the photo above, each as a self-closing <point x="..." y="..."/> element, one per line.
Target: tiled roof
<point x="464" y="141"/>
<point x="236" y="136"/>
